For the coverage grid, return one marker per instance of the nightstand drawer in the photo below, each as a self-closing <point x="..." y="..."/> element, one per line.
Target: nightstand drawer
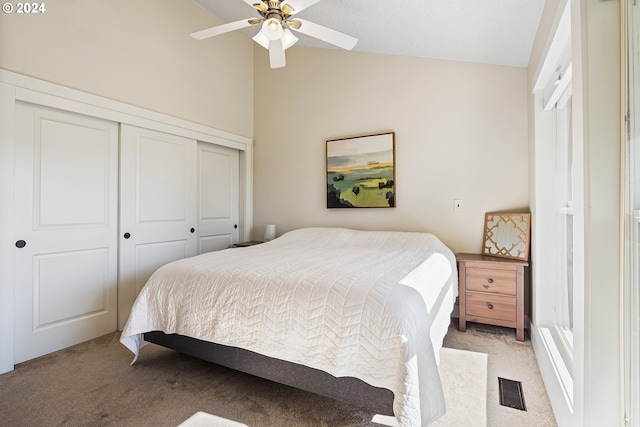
<point x="489" y="280"/>
<point x="491" y="306"/>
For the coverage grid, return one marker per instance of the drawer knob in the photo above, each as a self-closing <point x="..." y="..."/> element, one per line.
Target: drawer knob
<point x="490" y="306"/>
<point x="490" y="280"/>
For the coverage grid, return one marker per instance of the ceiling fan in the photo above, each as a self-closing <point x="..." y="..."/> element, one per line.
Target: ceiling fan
<point x="275" y="34"/>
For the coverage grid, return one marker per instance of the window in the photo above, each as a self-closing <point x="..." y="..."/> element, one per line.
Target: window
<point x="632" y="215"/>
<point x="563" y="229"/>
<point x="559" y="323"/>
<point x="557" y="213"/>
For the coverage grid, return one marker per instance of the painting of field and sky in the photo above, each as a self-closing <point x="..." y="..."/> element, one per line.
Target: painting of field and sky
<point x="361" y="172"/>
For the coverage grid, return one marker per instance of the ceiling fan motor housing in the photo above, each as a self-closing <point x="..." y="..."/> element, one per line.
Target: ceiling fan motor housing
<point x="273" y="4"/>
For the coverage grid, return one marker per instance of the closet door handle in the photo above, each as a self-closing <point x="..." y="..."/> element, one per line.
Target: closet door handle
<point x="127" y="235"/>
<point x="235" y="225"/>
<point x="21" y="244"/>
<point x="193" y="230"/>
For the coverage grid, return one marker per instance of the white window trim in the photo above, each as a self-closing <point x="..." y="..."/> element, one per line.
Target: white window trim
<point x="631" y="293"/>
<point x="561" y="378"/>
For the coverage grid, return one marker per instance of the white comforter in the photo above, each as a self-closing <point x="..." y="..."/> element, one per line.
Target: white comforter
<point x="372" y="305"/>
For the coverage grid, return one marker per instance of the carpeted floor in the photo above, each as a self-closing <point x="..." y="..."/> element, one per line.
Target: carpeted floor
<point x="92" y="384"/>
<point x="510" y="359"/>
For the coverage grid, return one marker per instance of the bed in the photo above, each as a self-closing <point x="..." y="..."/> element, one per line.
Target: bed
<point x="355" y="315"/>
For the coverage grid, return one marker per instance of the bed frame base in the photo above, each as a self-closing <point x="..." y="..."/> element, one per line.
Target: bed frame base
<point x="346" y="389"/>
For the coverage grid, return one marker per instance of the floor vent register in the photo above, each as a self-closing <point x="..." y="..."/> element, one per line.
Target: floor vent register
<point x="511" y="394"/>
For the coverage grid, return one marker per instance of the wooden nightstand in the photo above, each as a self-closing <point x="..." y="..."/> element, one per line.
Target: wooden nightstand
<point x="491" y="291"/>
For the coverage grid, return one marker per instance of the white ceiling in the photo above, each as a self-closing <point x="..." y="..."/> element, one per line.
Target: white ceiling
<point x="484" y="31"/>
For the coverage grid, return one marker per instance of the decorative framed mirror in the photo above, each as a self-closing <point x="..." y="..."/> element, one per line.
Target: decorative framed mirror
<point x="507" y="235"/>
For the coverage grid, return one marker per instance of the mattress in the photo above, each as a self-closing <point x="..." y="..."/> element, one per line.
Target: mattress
<point x="374" y="305"/>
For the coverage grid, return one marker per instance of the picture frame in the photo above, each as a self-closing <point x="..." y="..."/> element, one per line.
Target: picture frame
<point x="361" y="171"/>
<point x="506" y="235"/>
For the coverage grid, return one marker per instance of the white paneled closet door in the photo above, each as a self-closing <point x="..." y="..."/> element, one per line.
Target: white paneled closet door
<point x="218" y="197"/>
<point x="157" y="207"/>
<point x="66" y="195"/>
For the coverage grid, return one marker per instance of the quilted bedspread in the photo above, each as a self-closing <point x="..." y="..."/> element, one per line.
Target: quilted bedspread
<point x="372" y="305"/>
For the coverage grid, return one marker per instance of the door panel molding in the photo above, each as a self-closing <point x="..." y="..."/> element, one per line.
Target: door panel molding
<point x="219" y="197"/>
<point x="15" y="87"/>
<point x="54" y="305"/>
<point x="151" y="256"/>
<point x="91" y="164"/>
<point x="214" y="243"/>
<point x="66" y="271"/>
<point x="157" y="206"/>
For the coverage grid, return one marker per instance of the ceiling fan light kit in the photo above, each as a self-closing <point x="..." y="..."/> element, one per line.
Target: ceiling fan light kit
<point x="275" y="34"/>
<point x="272" y="29"/>
<point x="288" y="39"/>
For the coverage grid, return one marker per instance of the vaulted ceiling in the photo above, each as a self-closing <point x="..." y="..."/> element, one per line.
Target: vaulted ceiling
<point x="482" y="31"/>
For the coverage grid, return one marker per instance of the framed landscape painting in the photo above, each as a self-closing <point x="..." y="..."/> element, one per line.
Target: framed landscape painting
<point x="361" y="172"/>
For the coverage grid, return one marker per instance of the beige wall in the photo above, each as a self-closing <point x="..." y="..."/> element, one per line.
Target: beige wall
<point x="461" y="133"/>
<point x="461" y="129"/>
<point x="138" y="52"/>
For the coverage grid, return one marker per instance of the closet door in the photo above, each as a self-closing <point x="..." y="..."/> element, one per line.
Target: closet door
<point x="157" y="207"/>
<point x="218" y="197"/>
<point x="66" y="189"/>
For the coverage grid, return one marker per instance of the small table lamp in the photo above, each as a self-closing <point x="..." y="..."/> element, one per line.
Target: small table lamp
<point x="269" y="232"/>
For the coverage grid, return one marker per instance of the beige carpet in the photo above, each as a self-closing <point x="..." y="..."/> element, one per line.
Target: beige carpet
<point x="92" y="384"/>
<point x="507" y="358"/>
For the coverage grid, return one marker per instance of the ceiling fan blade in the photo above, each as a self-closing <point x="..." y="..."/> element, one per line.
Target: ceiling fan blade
<point x="221" y="29"/>
<point x="299" y="5"/>
<point x="276" y="54"/>
<point x="328" y="35"/>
